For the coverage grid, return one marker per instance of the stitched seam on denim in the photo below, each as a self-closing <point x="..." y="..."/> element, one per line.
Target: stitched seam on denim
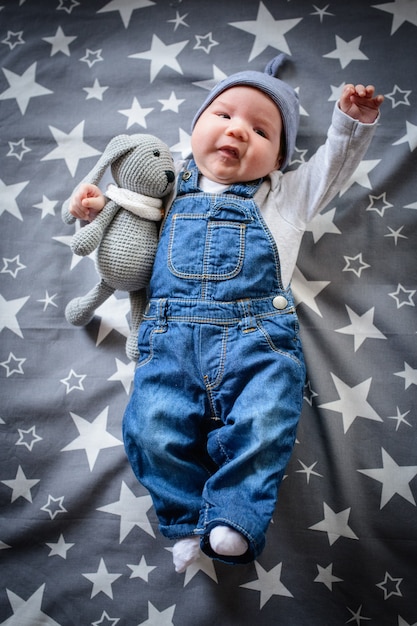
<point x="212" y="385"/>
<point x="278" y="350"/>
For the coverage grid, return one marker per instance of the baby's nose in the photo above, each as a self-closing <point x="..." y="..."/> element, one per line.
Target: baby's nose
<point x="238" y="130"/>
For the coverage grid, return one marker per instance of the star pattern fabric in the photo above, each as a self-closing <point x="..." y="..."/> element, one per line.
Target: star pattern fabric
<point x="78" y="533"/>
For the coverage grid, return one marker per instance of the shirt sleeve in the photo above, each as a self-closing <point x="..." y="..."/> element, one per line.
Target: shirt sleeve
<point x="302" y="193"/>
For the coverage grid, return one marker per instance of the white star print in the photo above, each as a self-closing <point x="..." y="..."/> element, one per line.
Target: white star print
<point x="352" y="402"/>
<point x="205" y="42"/>
<point x="54" y="506"/>
<point x="402" y="11"/>
<point x="355" y="264"/>
<point x="91" y="57"/>
<point x="93" y="437"/>
<point x="347" y="51"/>
<point x="21" y="486"/>
<point x="142" y="570"/>
<point x="396" y="234"/>
<point x="267" y="31"/>
<point x="125" y="8"/>
<point x="48" y="300"/>
<point x="47" y="206"/>
<point x="399" y="418"/>
<point x="9" y="310"/>
<point x="159" y="618"/>
<point x="124" y="374"/>
<point x="410" y="137"/>
<point x="379" y="204"/>
<point x="71" y="147"/>
<point x="361" y="327"/>
<point x="60" y="548"/>
<point x="172" y="104"/>
<point x="389" y="588"/>
<point x="28" y="612"/>
<point x="13" y="365"/>
<point x="59" y="42"/>
<point x="13" y="39"/>
<point x="106" y="620"/>
<point x="395" y="479"/>
<point x="71" y="4"/>
<point x="9" y="194"/>
<point x="409" y="374"/>
<point x="401" y="291"/>
<point x="306" y="291"/>
<point x="179" y="20"/>
<point x="268" y="584"/>
<point x="136" y="114"/>
<point x="308" y="471"/>
<point x="102" y="580"/>
<point x="18" y="149"/>
<point x="23" y="87"/>
<point x="321" y="224"/>
<point x="326" y="577"/>
<point x="28" y="438"/>
<point x="96" y="91"/>
<point x="356" y="616"/>
<point x="397" y="101"/>
<point x="70" y="383"/>
<point x="335" y="525"/>
<point x="12" y="266"/>
<point x="161" y="55"/>
<point x="132" y="511"/>
<point x="322" y="12"/>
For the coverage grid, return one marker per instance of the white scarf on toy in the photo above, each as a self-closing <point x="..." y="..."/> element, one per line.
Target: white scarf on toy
<point x="144" y="206"/>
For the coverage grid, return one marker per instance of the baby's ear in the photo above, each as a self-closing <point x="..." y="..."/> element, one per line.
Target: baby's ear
<point x="279" y="161"/>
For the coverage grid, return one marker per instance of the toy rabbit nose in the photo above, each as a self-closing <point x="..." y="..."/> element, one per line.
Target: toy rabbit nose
<point x="170" y="176"/>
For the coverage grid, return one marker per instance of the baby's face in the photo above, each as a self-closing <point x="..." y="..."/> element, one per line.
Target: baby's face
<point x="237" y="138"/>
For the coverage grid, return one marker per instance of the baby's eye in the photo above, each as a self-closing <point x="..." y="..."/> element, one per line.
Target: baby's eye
<point x="226" y="116"/>
<point x="260" y="132"/>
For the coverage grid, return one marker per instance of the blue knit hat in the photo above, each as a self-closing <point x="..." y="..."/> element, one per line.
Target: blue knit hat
<point x="280" y="92"/>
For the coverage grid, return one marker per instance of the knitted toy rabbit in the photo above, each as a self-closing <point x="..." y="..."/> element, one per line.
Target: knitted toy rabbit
<point x="125" y="233"/>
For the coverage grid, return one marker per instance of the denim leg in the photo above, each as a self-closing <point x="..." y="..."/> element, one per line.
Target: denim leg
<point x="165" y="427"/>
<point x="259" y="400"/>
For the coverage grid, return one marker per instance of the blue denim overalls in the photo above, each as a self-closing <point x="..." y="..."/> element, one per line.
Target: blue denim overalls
<point x="211" y="423"/>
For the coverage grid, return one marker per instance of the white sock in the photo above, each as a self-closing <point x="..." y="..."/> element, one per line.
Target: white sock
<point x="185" y="552"/>
<point x="227" y="542"/>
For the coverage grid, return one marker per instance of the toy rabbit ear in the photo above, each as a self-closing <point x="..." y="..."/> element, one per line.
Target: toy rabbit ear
<point x="116" y="148"/>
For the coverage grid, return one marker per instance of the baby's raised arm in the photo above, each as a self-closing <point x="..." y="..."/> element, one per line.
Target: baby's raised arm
<point x="86" y="201"/>
<point x="360" y="103"/>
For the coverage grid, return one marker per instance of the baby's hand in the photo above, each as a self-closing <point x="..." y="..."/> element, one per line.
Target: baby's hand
<point x="86" y="201"/>
<point x="360" y="103"/>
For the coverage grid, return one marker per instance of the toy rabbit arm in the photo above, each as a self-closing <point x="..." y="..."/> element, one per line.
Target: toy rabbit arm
<point x="88" y="238"/>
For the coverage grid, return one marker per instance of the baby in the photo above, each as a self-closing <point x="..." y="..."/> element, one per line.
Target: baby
<point x="218" y="390"/>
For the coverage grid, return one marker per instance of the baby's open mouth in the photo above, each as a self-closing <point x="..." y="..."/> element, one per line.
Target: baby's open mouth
<point x="229" y="151"/>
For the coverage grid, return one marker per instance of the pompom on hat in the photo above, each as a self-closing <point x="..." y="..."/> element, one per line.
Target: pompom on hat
<point x="280" y="92"/>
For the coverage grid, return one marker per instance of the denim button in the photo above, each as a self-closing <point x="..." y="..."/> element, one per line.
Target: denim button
<point x="186" y="175"/>
<point x="279" y="302"/>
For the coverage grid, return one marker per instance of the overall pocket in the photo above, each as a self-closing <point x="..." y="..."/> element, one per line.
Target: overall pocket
<point x="208" y="246"/>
